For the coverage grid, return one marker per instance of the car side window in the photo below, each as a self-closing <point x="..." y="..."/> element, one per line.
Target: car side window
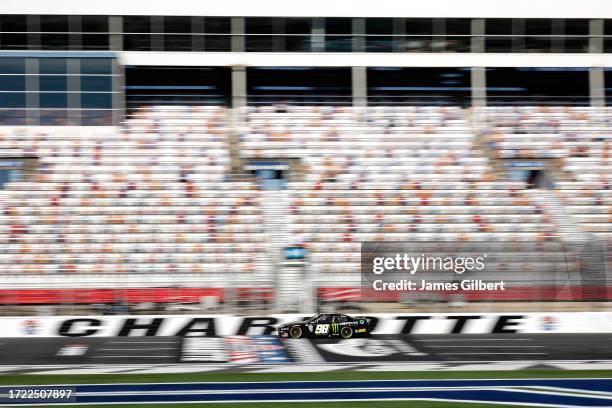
<point x="323" y="319"/>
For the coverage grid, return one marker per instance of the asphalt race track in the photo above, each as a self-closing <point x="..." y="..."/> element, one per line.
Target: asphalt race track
<point x="265" y="354"/>
<point x="545" y="392"/>
<point x="376" y="349"/>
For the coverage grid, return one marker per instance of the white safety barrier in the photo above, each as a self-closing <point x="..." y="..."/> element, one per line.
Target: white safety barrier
<point x="227" y="325"/>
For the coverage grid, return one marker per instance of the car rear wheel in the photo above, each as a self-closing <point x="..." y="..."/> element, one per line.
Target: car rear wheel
<point x="295" y="332"/>
<point x="346" y="332"/>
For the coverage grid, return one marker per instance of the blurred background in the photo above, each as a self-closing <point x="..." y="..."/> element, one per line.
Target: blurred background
<point x="232" y="158"/>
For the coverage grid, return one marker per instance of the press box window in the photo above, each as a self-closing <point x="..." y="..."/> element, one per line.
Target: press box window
<point x="12" y="66"/>
<point x="52" y="66"/>
<point x="96" y="83"/>
<point x="12" y="83"/>
<point x="97" y="101"/>
<point x="96" y="66"/>
<point x="52" y="83"/>
<point x="12" y="100"/>
<point x="53" y="100"/>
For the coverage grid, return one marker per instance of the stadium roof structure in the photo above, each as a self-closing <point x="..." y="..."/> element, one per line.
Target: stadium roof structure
<point x="270" y="59"/>
<point x="320" y="8"/>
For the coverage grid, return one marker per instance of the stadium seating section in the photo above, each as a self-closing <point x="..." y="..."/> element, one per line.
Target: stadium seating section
<point x="157" y="196"/>
<point x="151" y="198"/>
<point x="576" y="136"/>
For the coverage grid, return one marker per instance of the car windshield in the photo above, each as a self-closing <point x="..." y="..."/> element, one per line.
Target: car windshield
<point x="313" y="318"/>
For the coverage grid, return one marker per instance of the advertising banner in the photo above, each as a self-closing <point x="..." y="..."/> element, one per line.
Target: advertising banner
<point x="229" y="325"/>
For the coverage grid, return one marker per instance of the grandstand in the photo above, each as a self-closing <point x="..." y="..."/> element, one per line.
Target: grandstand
<point x="176" y="160"/>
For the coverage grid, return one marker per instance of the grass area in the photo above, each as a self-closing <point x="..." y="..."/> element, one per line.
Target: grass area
<point x="34" y="379"/>
<point x="348" y="404"/>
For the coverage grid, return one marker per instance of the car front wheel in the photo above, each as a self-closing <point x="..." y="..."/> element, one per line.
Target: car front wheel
<point x="346" y="332"/>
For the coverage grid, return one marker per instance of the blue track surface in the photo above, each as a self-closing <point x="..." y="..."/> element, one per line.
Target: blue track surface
<point x="566" y="392"/>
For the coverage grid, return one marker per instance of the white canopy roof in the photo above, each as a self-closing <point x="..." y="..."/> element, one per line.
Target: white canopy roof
<point x="320" y="8"/>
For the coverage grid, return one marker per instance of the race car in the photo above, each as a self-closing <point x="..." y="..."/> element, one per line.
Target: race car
<point x="326" y="325"/>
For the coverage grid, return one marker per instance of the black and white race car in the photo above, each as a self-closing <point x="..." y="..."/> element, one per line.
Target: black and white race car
<point x="326" y="325"/>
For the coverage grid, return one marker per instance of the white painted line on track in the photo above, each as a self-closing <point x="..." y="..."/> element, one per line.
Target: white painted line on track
<point x="123" y="356"/>
<point x="597" y="365"/>
<point x="450" y="380"/>
<point x="471" y="340"/>
<point x="520" y="346"/>
<point x="496" y="353"/>
<point x="178" y="370"/>
<point x="137" y="349"/>
<point x="456" y="366"/>
<point x="535" y="390"/>
<point x="83" y="371"/>
<point x="488" y="367"/>
<point x="315" y="390"/>
<point x="572" y="390"/>
<point x="403" y="367"/>
<point x="141" y="342"/>
<point x="302" y="369"/>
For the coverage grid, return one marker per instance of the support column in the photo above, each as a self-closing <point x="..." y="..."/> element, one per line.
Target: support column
<point x="359" y="29"/>
<point x="32" y="92"/>
<point x="74" y="92"/>
<point x="597" y="90"/>
<point x="238" y="29"/>
<point x="317" y="34"/>
<point x="239" y="86"/>
<point x="115" y="28"/>
<point x="478" y="32"/>
<point x="119" y="97"/>
<point x="239" y="95"/>
<point x="478" y="74"/>
<point x="479" y="87"/>
<point x="596" y="33"/>
<point x="360" y="86"/>
<point x="597" y="87"/>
